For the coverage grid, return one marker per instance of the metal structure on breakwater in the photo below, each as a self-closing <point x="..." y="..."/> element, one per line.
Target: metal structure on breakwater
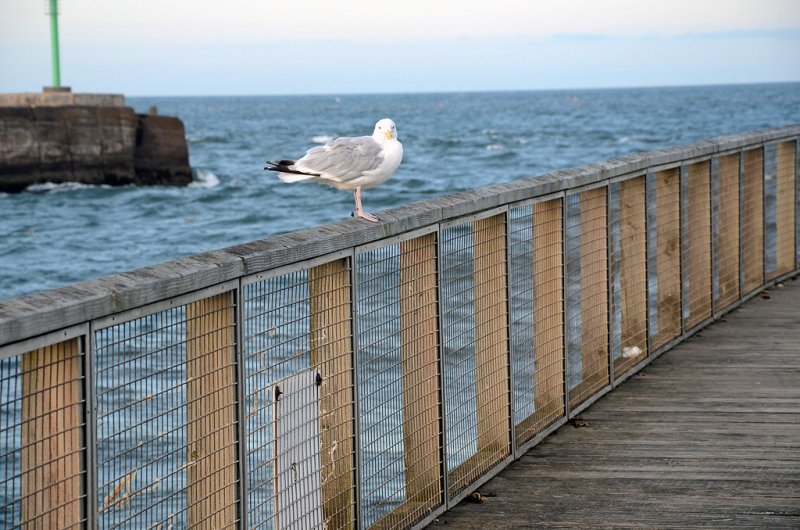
<point x="373" y="375"/>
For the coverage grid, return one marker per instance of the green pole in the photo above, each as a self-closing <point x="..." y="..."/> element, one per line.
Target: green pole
<point x="54" y="43"/>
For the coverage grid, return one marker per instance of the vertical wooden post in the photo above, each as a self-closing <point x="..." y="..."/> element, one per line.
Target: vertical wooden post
<point x="786" y="208"/>
<point x="491" y="333"/>
<point x="728" y="247"/>
<point x="51" y="436"/>
<point x="332" y="357"/>
<point x="594" y="294"/>
<point x="211" y="412"/>
<point x="699" y="243"/>
<point x="668" y="257"/>
<point x="753" y="220"/>
<point x="548" y="348"/>
<point x="418" y="325"/>
<point x="633" y="272"/>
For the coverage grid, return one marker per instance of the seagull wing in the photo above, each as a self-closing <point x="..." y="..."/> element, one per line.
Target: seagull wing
<point x="343" y="159"/>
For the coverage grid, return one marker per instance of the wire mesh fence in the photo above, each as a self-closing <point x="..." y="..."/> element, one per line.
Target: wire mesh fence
<point x="696" y="276"/>
<point x="752" y="220"/>
<point x="663" y="256"/>
<point x="166" y="417"/>
<point x="299" y="438"/>
<point x="628" y="272"/>
<point x="374" y="387"/>
<point x="785" y="210"/>
<point x="474" y="346"/>
<point x="586" y="302"/>
<point x="725" y="198"/>
<point x="42" y="402"/>
<point x="537" y="315"/>
<point x="399" y="382"/>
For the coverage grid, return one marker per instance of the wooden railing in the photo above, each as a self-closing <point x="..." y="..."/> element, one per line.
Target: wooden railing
<point x="372" y="375"/>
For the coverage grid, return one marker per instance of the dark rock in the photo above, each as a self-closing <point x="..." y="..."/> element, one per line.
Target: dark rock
<point x="92" y="145"/>
<point x="161" y="155"/>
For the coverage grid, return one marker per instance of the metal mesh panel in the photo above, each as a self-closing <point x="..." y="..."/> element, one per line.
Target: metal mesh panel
<point x="166" y="418"/>
<point x="398" y="382"/>
<point x="770" y="210"/>
<point x="41" y="440"/>
<point x="663" y="257"/>
<point x="696" y="276"/>
<point x="753" y="220"/>
<point x="726" y="231"/>
<point x="785" y="213"/>
<point x="536" y="320"/>
<point x="300" y="453"/>
<point x="474" y="337"/>
<point x="587" y="294"/>
<point x="628" y="273"/>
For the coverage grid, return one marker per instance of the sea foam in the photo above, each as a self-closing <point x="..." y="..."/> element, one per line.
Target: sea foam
<point x="204" y="178"/>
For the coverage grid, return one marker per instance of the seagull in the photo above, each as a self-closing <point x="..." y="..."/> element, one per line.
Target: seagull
<point x="348" y="163"/>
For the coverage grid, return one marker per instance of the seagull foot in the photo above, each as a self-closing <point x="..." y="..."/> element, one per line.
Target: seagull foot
<point x="366" y="216"/>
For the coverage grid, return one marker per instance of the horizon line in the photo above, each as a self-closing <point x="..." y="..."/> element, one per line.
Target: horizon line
<point x="465" y="91"/>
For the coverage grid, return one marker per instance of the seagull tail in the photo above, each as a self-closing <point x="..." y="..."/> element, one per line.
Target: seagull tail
<point x="287" y="174"/>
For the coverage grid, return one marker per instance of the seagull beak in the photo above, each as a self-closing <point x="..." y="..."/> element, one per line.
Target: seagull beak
<point x="389" y="135"/>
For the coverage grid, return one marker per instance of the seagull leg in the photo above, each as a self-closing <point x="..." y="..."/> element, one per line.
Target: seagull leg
<point x="359" y="210"/>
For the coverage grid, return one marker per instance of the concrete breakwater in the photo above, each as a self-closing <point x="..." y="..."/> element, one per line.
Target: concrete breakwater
<point x="92" y="139"/>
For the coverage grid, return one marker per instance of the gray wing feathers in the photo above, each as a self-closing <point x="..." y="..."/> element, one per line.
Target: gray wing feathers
<point x="342" y="159"/>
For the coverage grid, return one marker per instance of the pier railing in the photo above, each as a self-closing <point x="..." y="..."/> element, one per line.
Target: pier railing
<point x="372" y="375"/>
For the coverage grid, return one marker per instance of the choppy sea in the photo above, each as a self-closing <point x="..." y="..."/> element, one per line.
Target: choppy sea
<point x="54" y="235"/>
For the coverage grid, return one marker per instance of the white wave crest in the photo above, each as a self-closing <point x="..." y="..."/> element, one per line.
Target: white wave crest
<point x="59" y="187"/>
<point x="204" y="179"/>
<point x="321" y="139"/>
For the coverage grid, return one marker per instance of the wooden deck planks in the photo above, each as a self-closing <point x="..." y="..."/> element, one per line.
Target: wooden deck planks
<point x="706" y="436"/>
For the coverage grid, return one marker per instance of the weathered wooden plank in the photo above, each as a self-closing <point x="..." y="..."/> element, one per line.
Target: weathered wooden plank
<point x="668" y="269"/>
<point x="491" y="335"/>
<point x="727" y="247"/>
<point x="548" y="320"/>
<point x="211" y="412"/>
<point x="753" y="220"/>
<point x="332" y="357"/>
<point x="593" y="295"/>
<point x="491" y="385"/>
<point x="633" y="275"/>
<point x="421" y="419"/>
<point x="696" y="236"/>
<point x="51" y="434"/>
<point x="786" y="208"/>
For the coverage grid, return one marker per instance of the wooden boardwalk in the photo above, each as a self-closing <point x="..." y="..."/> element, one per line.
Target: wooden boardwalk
<point x="708" y="435"/>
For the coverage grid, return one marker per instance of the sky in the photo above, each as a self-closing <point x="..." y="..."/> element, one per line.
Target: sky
<point x="240" y="47"/>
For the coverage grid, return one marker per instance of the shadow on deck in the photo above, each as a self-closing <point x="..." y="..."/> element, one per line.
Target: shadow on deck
<point x="708" y="435"/>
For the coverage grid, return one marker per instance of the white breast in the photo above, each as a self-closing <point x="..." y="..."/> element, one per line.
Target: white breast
<point x="392" y="156"/>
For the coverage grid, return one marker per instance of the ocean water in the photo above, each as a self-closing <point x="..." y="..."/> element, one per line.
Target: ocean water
<point x="57" y="235"/>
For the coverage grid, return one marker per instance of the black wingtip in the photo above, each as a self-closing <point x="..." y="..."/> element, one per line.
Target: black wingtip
<point x="283" y="166"/>
<point x="280" y="165"/>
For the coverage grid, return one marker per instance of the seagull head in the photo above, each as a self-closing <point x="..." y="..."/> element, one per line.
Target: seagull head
<point x="385" y="130"/>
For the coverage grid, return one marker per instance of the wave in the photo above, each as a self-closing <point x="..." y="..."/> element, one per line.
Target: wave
<point x="203" y="178"/>
<point x="321" y="139"/>
<point x="210" y="139"/>
<point x="59" y="187"/>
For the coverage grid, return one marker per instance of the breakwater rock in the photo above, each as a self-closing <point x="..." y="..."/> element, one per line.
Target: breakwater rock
<point x="92" y="144"/>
